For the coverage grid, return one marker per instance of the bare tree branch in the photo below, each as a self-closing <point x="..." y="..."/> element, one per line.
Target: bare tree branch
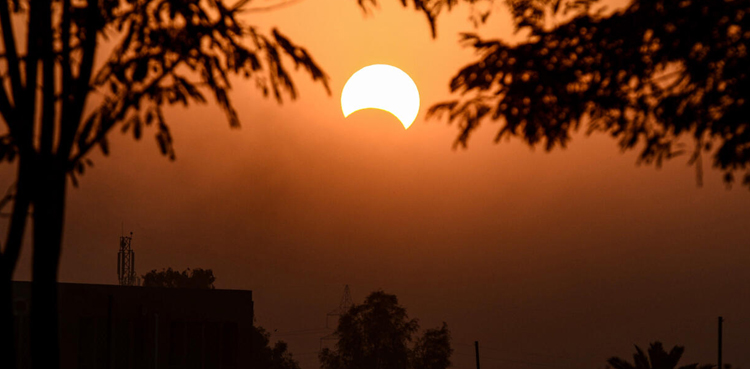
<point x="47" y="128"/>
<point x="27" y="102"/>
<point x="6" y="110"/>
<point x="79" y="88"/>
<point x="10" y="50"/>
<point x="67" y="88"/>
<point x="17" y="224"/>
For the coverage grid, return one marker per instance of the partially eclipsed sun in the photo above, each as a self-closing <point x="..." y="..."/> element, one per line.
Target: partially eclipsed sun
<point x="382" y="87"/>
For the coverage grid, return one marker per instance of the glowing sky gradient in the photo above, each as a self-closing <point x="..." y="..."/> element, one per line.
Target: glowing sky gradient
<point x="562" y="259"/>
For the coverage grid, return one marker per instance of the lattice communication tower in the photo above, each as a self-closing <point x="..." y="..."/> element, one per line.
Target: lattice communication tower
<point x="344" y="306"/>
<point x="126" y="262"/>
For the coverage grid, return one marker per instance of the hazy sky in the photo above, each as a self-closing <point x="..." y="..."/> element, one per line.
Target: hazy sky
<point x="556" y="259"/>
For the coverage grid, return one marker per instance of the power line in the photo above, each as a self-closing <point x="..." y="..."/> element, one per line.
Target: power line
<point x="517" y="352"/>
<point x="302" y="333"/>
<point x="302" y="330"/>
<point x="494" y="358"/>
<point x="306" y="353"/>
<point x="491" y="357"/>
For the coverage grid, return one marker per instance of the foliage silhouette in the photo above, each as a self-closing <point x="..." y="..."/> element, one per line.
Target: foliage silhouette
<point x="664" y="77"/>
<point x="195" y="278"/>
<point x="433" y="350"/>
<point x="264" y="356"/>
<point x="531" y="14"/>
<point x="657" y="358"/>
<point x="377" y="335"/>
<point x="165" y="52"/>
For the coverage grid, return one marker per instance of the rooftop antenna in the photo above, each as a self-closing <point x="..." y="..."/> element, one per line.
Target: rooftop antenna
<point x="126" y="262"/>
<point x="344" y="305"/>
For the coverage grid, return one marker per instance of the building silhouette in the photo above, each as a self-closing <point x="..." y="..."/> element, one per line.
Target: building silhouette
<point x="131" y="327"/>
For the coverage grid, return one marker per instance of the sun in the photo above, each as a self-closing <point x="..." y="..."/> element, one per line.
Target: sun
<point x="384" y="87"/>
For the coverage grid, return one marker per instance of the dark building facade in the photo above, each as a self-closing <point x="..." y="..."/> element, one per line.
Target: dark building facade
<point x="130" y="327"/>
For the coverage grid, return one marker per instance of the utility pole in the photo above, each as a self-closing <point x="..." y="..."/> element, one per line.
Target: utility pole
<point x="476" y="349"/>
<point x="721" y="322"/>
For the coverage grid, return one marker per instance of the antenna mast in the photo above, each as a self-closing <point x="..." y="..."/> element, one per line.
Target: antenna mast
<point x="126" y="262"/>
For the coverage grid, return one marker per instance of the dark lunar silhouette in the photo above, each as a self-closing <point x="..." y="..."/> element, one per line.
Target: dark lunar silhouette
<point x="378" y="334"/>
<point x="195" y="278"/>
<point x="657" y="358"/>
<point x="167" y="52"/>
<point x="665" y="77"/>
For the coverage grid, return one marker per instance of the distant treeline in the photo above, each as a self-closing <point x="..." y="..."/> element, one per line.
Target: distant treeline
<point x="189" y="278"/>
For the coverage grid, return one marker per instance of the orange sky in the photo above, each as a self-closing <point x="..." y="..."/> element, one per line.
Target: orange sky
<point x="561" y="259"/>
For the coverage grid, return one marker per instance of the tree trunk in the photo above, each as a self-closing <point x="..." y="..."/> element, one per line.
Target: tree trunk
<point x="8" y="262"/>
<point x="8" y="350"/>
<point x="49" y="207"/>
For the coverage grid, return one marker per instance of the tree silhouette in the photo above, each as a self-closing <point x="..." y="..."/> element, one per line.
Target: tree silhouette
<point x="433" y="350"/>
<point x="56" y="106"/>
<point x="378" y="334"/>
<point x="265" y="356"/>
<point x="195" y="278"/>
<point x="532" y="14"/>
<point x="662" y="76"/>
<point x="657" y="358"/>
